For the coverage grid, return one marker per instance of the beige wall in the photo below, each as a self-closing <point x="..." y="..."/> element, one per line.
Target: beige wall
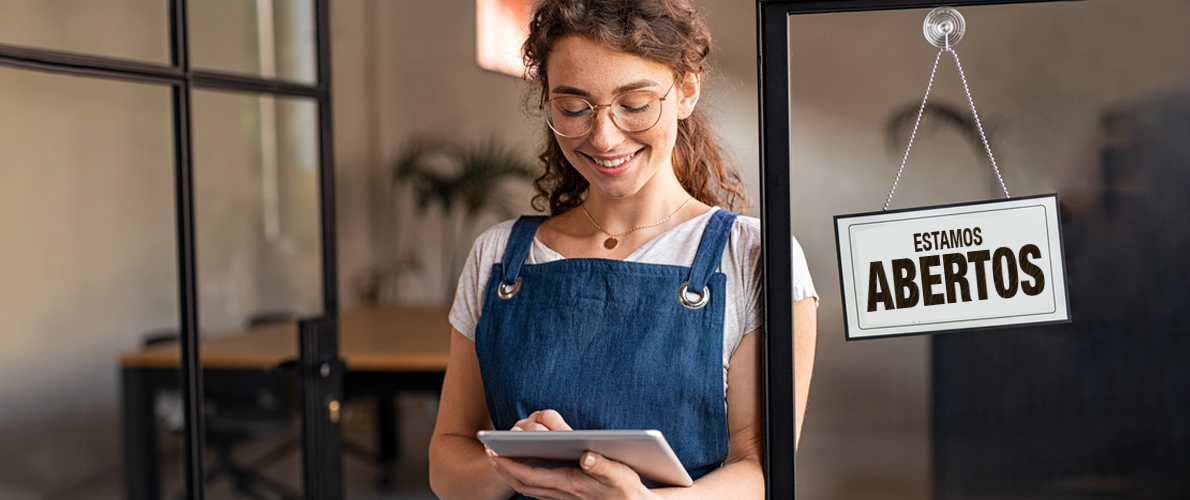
<point x="127" y="29"/>
<point x="86" y="216"/>
<point x="385" y="95"/>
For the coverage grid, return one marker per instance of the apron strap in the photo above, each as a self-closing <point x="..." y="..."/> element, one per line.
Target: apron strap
<point x="710" y="249"/>
<point x="517" y="249"/>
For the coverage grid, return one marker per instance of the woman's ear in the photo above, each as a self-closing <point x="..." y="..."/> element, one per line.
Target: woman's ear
<point x="689" y="89"/>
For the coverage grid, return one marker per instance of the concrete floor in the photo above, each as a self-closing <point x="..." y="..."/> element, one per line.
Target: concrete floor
<point x="360" y="477"/>
<point x="865" y="437"/>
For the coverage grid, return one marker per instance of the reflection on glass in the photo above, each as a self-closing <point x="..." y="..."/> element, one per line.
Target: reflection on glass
<point x="88" y="268"/>
<point x="125" y="29"/>
<point x="266" y="38"/>
<point x="256" y="192"/>
<point x="259" y="269"/>
<point x="1087" y="99"/>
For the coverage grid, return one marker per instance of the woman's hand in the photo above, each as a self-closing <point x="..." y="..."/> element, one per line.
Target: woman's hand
<point x="544" y="420"/>
<point x="598" y="478"/>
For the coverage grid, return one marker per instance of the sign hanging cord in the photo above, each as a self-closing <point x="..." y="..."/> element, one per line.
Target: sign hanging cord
<point x="921" y="110"/>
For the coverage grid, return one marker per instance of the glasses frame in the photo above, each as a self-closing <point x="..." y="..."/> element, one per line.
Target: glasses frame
<point x="612" y="114"/>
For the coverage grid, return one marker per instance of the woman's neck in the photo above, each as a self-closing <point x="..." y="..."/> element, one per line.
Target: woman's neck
<point x="614" y="227"/>
<point x="647" y="206"/>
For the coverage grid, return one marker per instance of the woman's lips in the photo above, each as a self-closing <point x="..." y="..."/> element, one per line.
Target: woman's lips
<point x="615" y="165"/>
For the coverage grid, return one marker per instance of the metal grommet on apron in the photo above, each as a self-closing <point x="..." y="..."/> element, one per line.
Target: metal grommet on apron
<point x="714" y="239"/>
<point x="510" y="279"/>
<point x="506" y="292"/>
<point x="697" y="301"/>
<point x="605" y="343"/>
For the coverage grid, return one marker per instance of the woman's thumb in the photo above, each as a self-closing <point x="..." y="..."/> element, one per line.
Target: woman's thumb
<point x="596" y="465"/>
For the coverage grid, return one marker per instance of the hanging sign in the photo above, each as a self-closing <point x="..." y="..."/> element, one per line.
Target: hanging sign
<point x="957" y="267"/>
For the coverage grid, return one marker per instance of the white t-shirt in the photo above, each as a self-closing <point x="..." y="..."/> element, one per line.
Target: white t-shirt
<point x="678" y="246"/>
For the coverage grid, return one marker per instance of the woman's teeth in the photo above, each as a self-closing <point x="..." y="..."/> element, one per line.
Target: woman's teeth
<point x="614" y="163"/>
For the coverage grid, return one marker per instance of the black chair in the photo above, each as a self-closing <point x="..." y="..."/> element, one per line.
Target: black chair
<point x="246" y="409"/>
<point x="240" y="408"/>
<point x="384" y="456"/>
<point x="269" y="317"/>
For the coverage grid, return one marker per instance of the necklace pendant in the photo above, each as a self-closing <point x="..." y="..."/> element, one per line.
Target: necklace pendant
<point x="610" y="243"/>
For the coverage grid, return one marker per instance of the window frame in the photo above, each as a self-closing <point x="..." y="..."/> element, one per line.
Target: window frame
<point x="182" y="80"/>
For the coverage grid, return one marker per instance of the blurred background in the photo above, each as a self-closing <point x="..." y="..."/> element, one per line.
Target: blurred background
<point x="1086" y="99"/>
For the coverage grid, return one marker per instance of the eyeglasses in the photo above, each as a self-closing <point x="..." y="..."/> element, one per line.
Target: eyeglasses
<point x="632" y="111"/>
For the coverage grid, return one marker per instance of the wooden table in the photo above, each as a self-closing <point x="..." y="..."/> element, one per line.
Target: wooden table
<point x="386" y="349"/>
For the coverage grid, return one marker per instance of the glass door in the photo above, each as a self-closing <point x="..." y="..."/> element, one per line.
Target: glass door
<point x="168" y="207"/>
<point x="1089" y="100"/>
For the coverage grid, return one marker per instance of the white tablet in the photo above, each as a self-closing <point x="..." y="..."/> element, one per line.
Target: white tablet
<point x="646" y="451"/>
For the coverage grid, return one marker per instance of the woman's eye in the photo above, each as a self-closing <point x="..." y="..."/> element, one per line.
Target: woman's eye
<point x="572" y="107"/>
<point x="575" y="112"/>
<point x="625" y="108"/>
<point x="637" y="103"/>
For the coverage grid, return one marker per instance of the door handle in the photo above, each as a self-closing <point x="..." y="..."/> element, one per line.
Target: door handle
<point x="333" y="411"/>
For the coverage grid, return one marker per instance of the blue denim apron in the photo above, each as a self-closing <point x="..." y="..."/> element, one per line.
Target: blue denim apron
<point x="610" y="344"/>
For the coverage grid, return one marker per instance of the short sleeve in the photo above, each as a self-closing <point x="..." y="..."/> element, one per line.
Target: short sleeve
<point x="746" y="257"/>
<point x="747" y="244"/>
<point x="803" y="284"/>
<point x="468" y="304"/>
<point x="741" y="263"/>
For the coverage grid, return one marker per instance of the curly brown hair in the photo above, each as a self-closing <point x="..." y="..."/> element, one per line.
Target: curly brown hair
<point x="670" y="32"/>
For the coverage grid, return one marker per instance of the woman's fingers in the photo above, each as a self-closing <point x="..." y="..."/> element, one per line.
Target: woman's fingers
<point x="531" y="481"/>
<point x="495" y="462"/>
<point x="599" y="478"/>
<point x="608" y="472"/>
<point x="552" y="420"/>
<point x="529" y="425"/>
<point x="544" y="420"/>
<point x="595" y="466"/>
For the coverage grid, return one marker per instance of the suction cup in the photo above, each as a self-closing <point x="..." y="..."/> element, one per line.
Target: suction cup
<point x="944" y="27"/>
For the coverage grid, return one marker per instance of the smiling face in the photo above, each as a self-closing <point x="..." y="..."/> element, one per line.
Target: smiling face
<point x="619" y="164"/>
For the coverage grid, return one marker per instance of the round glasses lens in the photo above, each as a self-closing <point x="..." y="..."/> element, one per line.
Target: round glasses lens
<point x="636" y="111"/>
<point x="569" y="116"/>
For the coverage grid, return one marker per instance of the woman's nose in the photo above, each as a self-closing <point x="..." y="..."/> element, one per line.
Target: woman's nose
<point x="605" y="135"/>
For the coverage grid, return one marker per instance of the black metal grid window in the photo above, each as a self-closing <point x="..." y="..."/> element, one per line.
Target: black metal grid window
<point x="182" y="79"/>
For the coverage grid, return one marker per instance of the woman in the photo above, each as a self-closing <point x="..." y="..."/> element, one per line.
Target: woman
<point x="636" y="304"/>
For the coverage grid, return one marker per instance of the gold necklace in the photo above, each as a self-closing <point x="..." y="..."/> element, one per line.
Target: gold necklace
<point x="613" y="239"/>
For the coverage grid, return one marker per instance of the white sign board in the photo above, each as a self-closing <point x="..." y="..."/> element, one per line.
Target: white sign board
<point x="955" y="267"/>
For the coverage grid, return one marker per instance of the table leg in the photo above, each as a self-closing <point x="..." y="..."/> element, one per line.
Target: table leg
<point x="141" y="455"/>
<point x="388" y="436"/>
